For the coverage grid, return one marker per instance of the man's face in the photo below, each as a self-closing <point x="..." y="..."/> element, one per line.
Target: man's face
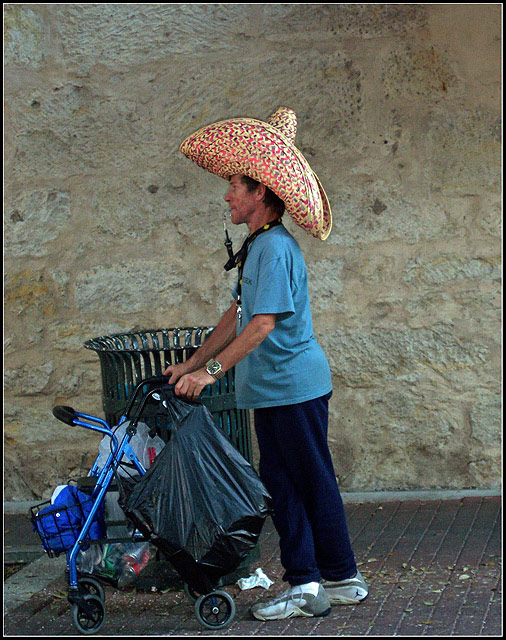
<point x="242" y="202"/>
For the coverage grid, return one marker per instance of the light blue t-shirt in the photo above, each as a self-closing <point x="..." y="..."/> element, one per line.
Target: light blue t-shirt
<point x="289" y="366"/>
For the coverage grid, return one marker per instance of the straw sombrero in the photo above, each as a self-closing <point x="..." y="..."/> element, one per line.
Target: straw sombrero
<point x="265" y="152"/>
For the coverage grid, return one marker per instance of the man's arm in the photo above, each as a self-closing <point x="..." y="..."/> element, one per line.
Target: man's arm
<point x="191" y="384"/>
<point x="248" y="340"/>
<point x="222" y="335"/>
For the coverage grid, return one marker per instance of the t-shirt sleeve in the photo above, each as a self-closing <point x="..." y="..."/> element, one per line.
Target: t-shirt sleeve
<point x="273" y="291"/>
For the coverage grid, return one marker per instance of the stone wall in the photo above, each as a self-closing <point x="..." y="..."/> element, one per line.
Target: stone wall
<point x="108" y="227"/>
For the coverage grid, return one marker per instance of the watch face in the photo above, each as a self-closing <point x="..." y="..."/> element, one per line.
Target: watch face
<point x="214" y="368"/>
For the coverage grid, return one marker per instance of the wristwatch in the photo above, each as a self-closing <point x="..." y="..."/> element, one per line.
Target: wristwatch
<point x="214" y="369"/>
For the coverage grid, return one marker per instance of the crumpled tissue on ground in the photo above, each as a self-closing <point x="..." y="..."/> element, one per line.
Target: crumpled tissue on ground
<point x="257" y="579"/>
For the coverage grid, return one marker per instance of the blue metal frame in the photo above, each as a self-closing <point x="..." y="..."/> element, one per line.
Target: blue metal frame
<point x="106" y="473"/>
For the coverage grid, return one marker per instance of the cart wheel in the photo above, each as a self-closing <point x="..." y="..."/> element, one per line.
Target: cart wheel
<point x="215" y="610"/>
<point x="191" y="593"/>
<point x="92" y="587"/>
<point x="90" y="621"/>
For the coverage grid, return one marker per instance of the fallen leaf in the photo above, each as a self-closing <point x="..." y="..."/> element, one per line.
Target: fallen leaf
<point x="464" y="576"/>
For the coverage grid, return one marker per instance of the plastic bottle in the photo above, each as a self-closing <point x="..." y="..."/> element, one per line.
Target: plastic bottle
<point x="134" y="552"/>
<point x="88" y="559"/>
<point x="111" y="561"/>
<point x="126" y="576"/>
<point x="133" y="563"/>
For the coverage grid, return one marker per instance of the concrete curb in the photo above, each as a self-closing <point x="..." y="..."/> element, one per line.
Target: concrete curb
<point x="349" y="497"/>
<point x="405" y="496"/>
<point x="31" y="579"/>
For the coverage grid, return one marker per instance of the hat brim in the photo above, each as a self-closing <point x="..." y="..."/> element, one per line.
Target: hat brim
<point x="259" y="150"/>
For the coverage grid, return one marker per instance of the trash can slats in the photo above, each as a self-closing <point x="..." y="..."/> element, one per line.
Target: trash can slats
<point x="127" y="358"/>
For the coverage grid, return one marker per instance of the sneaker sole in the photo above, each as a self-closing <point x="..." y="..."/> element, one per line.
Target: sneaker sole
<point x="296" y="612"/>
<point x="341" y="600"/>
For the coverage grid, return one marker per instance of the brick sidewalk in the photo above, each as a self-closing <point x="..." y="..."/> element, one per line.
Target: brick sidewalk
<point x="434" y="568"/>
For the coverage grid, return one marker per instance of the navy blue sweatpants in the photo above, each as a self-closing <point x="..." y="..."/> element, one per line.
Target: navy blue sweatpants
<point x="297" y="470"/>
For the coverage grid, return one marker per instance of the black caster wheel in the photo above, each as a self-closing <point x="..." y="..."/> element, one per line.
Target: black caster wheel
<point x="90" y="619"/>
<point x="215" y="610"/>
<point x="91" y="587"/>
<point x="191" y="593"/>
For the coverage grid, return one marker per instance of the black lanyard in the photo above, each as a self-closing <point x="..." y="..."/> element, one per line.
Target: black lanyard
<point x="238" y="260"/>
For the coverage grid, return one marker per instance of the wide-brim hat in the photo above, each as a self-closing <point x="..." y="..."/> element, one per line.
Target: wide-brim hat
<point x="265" y="151"/>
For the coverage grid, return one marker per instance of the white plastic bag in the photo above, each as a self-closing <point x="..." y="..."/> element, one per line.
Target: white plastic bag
<point x="144" y="447"/>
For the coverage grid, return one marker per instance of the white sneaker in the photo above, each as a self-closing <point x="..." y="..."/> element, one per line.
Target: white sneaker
<point x="290" y="605"/>
<point x="350" y="591"/>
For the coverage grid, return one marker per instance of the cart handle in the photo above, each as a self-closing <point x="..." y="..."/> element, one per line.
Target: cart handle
<point x="68" y="415"/>
<point x="155" y="380"/>
<point x="65" y="414"/>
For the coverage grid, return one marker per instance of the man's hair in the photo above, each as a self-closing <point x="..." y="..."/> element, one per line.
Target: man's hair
<point x="270" y="199"/>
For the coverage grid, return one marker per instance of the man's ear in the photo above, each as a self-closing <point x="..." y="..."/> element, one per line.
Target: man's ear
<point x="260" y="192"/>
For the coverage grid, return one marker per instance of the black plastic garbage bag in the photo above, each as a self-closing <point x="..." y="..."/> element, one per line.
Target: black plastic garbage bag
<point x="200" y="502"/>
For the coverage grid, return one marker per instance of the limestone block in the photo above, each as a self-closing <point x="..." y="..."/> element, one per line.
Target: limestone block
<point x="474" y="51"/>
<point x="76" y="127"/>
<point x="377" y="212"/>
<point x="325" y="285"/>
<point x="446" y="269"/>
<point x="136" y="34"/>
<point x="70" y="336"/>
<point x="29" y="380"/>
<point x="26" y="36"/>
<point x="34" y="220"/>
<point x="404" y="440"/>
<point x="465" y="147"/>
<point x="485" y="421"/>
<point x="416" y="73"/>
<point x="368" y="358"/>
<point x="56" y="453"/>
<point x="343" y="20"/>
<point x="28" y="291"/>
<point x="127" y="287"/>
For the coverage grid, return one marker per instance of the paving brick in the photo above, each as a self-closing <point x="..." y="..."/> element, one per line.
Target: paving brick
<point x="413" y="554"/>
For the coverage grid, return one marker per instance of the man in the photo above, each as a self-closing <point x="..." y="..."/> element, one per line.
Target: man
<point x="281" y="371"/>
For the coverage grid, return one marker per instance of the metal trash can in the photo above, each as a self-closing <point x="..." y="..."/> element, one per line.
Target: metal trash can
<point x="128" y="358"/>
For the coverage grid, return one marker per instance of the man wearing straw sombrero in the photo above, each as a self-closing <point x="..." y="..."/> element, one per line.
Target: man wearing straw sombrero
<point x="280" y="370"/>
